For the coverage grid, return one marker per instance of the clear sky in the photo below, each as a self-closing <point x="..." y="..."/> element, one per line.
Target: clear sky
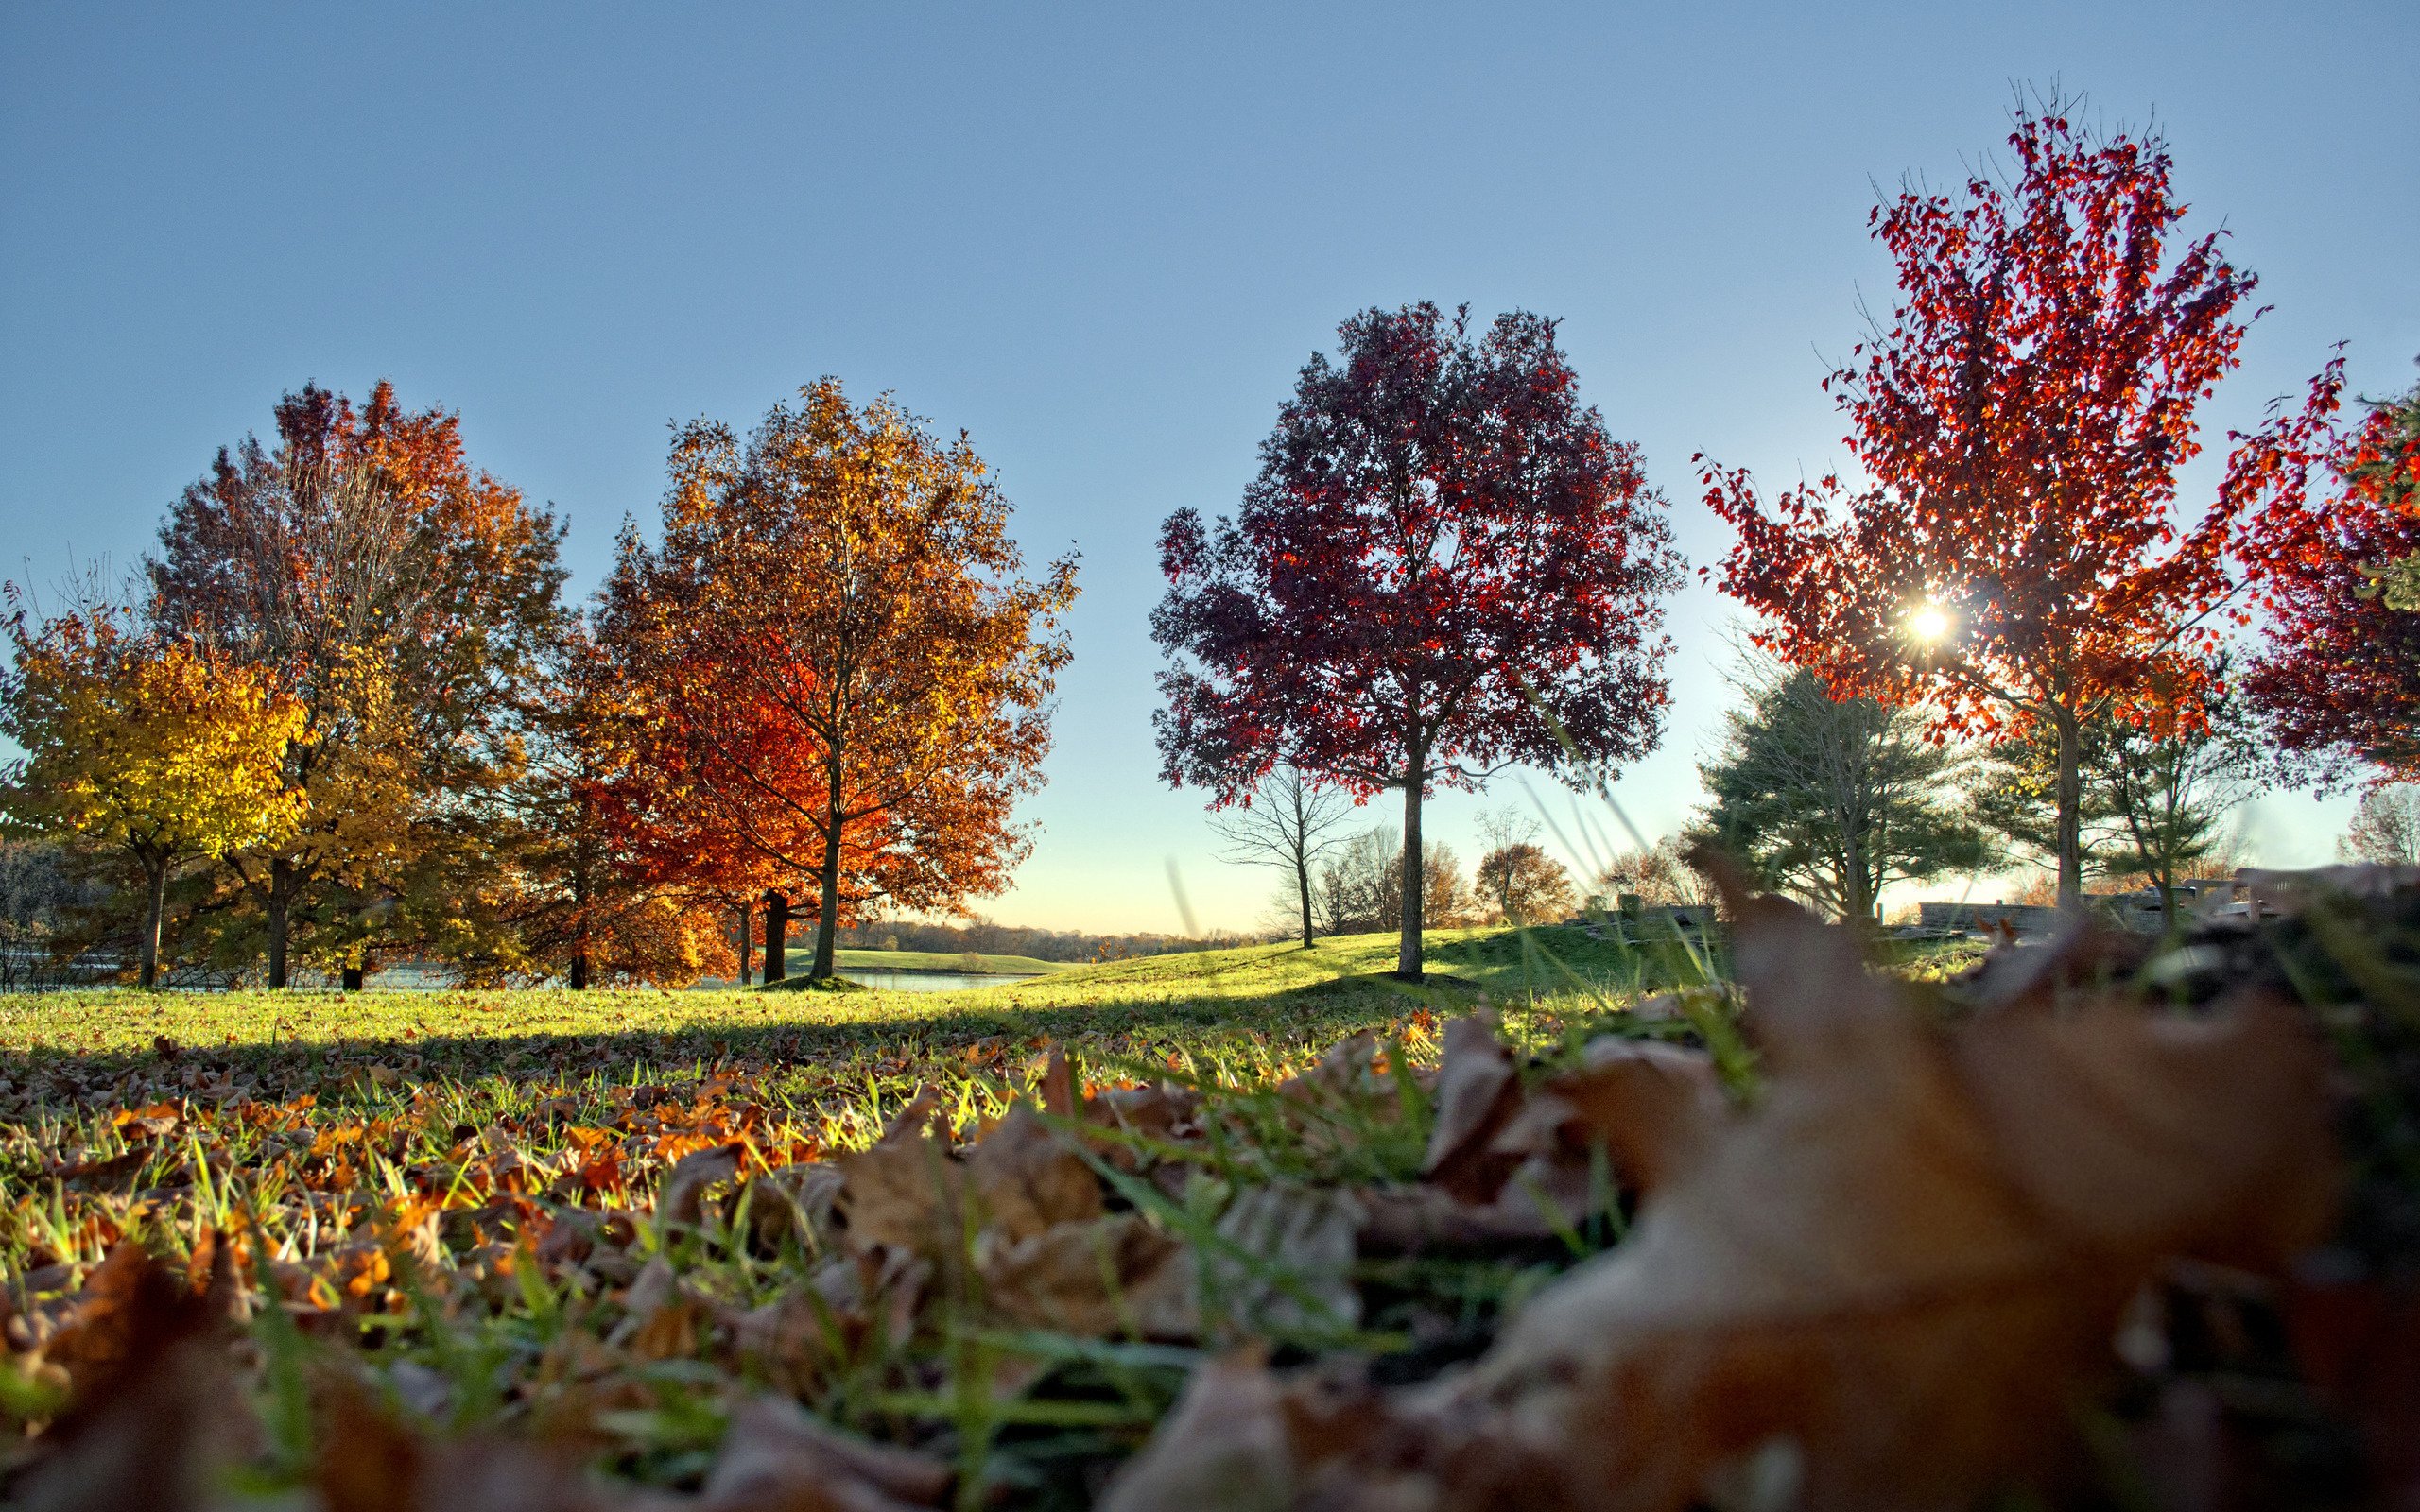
<point x="1101" y="239"/>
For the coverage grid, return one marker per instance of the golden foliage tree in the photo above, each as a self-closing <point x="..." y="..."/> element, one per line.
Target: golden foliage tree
<point x="840" y="671"/>
<point x="160" y="750"/>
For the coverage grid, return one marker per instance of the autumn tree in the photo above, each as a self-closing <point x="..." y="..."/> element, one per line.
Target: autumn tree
<point x="154" y="749"/>
<point x="2338" y="678"/>
<point x="587" y="905"/>
<point x="1289" y="822"/>
<point x="2019" y="555"/>
<point x="363" y="568"/>
<point x="840" y="660"/>
<point x="1446" y="564"/>
<point x="1835" y="800"/>
<point x="1523" y="884"/>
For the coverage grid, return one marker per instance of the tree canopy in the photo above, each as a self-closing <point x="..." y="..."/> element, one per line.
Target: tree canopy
<point x="158" y="750"/>
<point x="2018" y="554"/>
<point x="1446" y="564"/>
<point x="835" y="667"/>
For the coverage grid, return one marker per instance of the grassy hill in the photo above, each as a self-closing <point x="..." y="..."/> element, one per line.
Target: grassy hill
<point x="800" y="958"/>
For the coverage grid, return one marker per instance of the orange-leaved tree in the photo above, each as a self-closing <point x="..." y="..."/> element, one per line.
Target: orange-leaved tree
<point x="599" y="898"/>
<point x="2017" y="556"/>
<point x="833" y="664"/>
<point x="143" y="746"/>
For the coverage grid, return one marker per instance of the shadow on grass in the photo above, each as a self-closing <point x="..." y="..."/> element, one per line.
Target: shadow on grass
<point x="1292" y="1021"/>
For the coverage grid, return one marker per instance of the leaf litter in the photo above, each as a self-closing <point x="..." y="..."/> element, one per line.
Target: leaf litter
<point x="2109" y="1221"/>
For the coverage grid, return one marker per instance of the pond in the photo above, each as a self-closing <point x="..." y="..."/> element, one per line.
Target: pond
<point x="927" y="981"/>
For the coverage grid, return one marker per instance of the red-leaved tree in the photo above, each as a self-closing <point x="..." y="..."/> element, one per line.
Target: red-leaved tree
<point x="1445" y="566"/>
<point x="2019" y="555"/>
<point x="2338" y="679"/>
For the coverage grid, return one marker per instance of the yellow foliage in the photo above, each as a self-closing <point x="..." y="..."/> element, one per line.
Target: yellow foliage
<point x="152" y="748"/>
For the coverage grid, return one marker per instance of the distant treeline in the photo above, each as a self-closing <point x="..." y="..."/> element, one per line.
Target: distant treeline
<point x="988" y="938"/>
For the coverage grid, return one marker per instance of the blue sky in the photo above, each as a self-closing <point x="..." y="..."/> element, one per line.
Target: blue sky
<point x="1101" y="239"/>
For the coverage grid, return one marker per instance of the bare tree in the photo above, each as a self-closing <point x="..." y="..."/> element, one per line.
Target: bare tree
<point x="1289" y="822"/>
<point x="2386" y="828"/>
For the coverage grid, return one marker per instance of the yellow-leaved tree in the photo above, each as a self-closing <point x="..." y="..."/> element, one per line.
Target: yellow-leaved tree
<point x="139" y="745"/>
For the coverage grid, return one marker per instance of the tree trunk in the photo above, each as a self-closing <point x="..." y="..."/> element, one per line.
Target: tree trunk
<point x="746" y="941"/>
<point x="281" y="902"/>
<point x="1407" y="948"/>
<point x="827" y="920"/>
<point x="352" y="981"/>
<point x="579" y="928"/>
<point x="155" y="881"/>
<point x="2070" y="807"/>
<point x="777" y="930"/>
<point x="1303" y="887"/>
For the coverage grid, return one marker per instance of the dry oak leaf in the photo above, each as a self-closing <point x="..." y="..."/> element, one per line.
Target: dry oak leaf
<point x="683" y="1199"/>
<point x="1542" y="1181"/>
<point x="1905" y="1260"/>
<point x="1286" y="1259"/>
<point x="154" y="1411"/>
<point x="906" y="1189"/>
<point x="1114" y="1275"/>
<point x="1477" y="1092"/>
<point x="1026" y="1177"/>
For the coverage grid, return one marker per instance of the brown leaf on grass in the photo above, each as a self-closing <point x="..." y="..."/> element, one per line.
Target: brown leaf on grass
<point x="1057" y="1088"/>
<point x="1477" y="1092"/>
<point x="907" y="1190"/>
<point x="796" y="1201"/>
<point x="1911" y="1255"/>
<point x="1026" y="1177"/>
<point x="683" y="1199"/>
<point x="661" y="1318"/>
<point x="1882" y="1286"/>
<point x="1633" y="1098"/>
<point x="1344" y="1069"/>
<point x="368" y="1462"/>
<point x="153" y="1405"/>
<point x="1115" y="1275"/>
<point x="777" y="1458"/>
<point x="1640" y="1100"/>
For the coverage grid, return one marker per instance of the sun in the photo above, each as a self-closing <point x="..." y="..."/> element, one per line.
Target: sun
<point x="1930" y="623"/>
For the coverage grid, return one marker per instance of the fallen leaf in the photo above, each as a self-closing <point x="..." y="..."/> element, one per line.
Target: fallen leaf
<point x="1915" y="1239"/>
<point x="1286" y="1259"/>
<point x="683" y="1199"/>
<point x="1115" y="1275"/>
<point x="1026" y="1177"/>
<point x="1476" y="1093"/>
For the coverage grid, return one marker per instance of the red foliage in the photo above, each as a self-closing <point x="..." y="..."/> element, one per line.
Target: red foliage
<point x="2339" y="679"/>
<point x="2021" y="421"/>
<point x="1440" y="534"/>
